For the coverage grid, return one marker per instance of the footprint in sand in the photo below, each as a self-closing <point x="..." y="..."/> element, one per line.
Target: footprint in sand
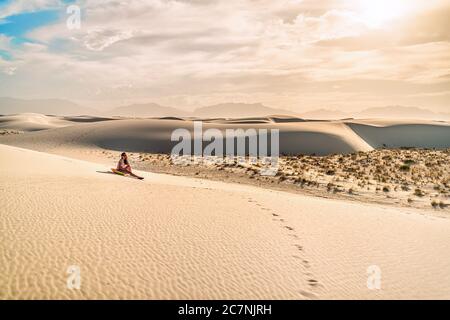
<point x="313" y="283"/>
<point x="308" y="294"/>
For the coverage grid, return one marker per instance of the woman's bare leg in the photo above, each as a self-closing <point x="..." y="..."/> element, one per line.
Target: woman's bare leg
<point x="128" y="170"/>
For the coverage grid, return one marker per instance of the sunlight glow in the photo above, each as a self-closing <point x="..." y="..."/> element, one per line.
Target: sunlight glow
<point x="376" y="13"/>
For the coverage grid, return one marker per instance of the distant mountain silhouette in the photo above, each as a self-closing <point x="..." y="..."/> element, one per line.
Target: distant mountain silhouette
<point x="324" y="114"/>
<point x="401" y="112"/>
<point x="146" y="110"/>
<point x="239" y="110"/>
<point x="43" y="106"/>
<point x="223" y="110"/>
<point x="388" y="112"/>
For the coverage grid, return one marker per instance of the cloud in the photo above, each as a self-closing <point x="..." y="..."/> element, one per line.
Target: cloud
<point x="5" y="42"/>
<point x="204" y="51"/>
<point x="424" y="27"/>
<point x="6" y="66"/>
<point x="99" y="39"/>
<point x="23" y="6"/>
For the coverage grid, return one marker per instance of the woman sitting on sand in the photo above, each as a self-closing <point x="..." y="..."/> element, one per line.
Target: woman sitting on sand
<point x="124" y="166"/>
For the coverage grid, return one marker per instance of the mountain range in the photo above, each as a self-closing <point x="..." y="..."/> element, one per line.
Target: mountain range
<point x="146" y="110"/>
<point x="43" y="106"/>
<point x="224" y="110"/>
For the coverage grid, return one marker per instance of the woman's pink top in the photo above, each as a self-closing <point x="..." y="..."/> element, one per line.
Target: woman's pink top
<point x="121" y="164"/>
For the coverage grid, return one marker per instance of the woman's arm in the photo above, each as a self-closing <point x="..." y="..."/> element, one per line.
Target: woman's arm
<point x="120" y="165"/>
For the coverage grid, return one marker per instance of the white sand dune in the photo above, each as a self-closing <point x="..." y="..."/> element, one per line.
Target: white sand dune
<point x="36" y="122"/>
<point x="396" y="134"/>
<point x="31" y="122"/>
<point x="175" y="237"/>
<point x="296" y="135"/>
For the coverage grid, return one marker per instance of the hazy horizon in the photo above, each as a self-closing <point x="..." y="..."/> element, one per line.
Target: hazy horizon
<point x="225" y="150"/>
<point x="61" y="107"/>
<point x="296" y="55"/>
<point x="194" y="108"/>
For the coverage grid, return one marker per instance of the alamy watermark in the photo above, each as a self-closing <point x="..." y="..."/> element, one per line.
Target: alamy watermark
<point x="227" y="146"/>
<point x="74" y="278"/>
<point x="74" y="19"/>
<point x="374" y="278"/>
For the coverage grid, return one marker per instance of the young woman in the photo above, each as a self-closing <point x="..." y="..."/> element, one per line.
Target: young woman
<point x="124" y="166"/>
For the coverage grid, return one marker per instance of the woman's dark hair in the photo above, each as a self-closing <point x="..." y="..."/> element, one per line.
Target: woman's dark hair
<point x="124" y="160"/>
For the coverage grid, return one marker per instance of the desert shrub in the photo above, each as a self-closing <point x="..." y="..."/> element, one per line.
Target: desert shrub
<point x="336" y="190"/>
<point x="405" y="187"/>
<point x="404" y="168"/>
<point x="386" y="189"/>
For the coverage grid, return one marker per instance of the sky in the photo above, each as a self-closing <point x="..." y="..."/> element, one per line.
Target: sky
<point x="299" y="55"/>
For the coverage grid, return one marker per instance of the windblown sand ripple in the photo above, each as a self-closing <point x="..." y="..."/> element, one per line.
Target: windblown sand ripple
<point x="174" y="237"/>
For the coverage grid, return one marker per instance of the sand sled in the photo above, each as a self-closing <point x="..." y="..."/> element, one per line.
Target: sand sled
<point x="125" y="174"/>
<point x="118" y="172"/>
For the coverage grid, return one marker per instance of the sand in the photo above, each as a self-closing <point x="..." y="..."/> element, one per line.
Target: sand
<point x="296" y="135"/>
<point x="177" y="237"/>
<point x="397" y="134"/>
<point x="172" y="237"/>
<point x="412" y="178"/>
<point x="29" y="122"/>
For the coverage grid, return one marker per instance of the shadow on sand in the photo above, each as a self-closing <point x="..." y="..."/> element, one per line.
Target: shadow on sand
<point x="119" y="175"/>
<point x="107" y="172"/>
